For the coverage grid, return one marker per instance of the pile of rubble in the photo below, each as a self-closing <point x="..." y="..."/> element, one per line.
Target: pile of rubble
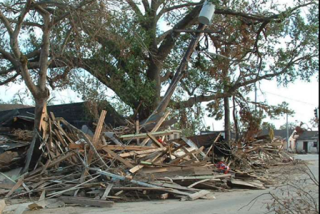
<point x="114" y="166"/>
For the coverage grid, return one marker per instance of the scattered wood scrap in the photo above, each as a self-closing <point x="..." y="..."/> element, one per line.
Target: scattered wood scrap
<point x="113" y="166"/>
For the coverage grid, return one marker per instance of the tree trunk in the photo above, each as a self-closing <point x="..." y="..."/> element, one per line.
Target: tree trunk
<point x="227" y="119"/>
<point x="34" y="151"/>
<point x="235" y="119"/>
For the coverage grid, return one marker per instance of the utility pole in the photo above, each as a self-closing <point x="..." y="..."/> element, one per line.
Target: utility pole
<point x="287" y="131"/>
<point x="205" y="18"/>
<point x="255" y="96"/>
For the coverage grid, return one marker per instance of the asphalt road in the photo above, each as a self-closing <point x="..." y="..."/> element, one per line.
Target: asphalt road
<point x="235" y="202"/>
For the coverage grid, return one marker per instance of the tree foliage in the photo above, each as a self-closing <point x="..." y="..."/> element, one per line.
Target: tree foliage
<point x="134" y="47"/>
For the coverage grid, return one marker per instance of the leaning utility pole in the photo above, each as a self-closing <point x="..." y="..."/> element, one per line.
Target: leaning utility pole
<point x="205" y="18"/>
<point x="287" y="125"/>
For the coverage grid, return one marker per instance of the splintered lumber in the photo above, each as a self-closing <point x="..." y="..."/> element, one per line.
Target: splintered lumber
<point x="119" y="158"/>
<point x="98" y="130"/>
<point x="2" y="205"/>
<point x="133" y="153"/>
<point x="58" y="160"/>
<point x="186" y="155"/>
<point x="145" y="135"/>
<point x="106" y="192"/>
<point x="140" y="166"/>
<point x="122" y="178"/>
<point x="126" y="148"/>
<point x="213" y="145"/>
<point x="154" y="140"/>
<point x="193" y="145"/>
<point x="15" y="187"/>
<point x="110" y="135"/>
<point x="86" y="201"/>
<point x="200" y="177"/>
<point x="157" y="126"/>
<point x="252" y="184"/>
<point x="199" y="194"/>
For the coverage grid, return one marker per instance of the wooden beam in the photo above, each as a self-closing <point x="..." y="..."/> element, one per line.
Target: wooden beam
<point x="186" y="155"/>
<point x="193" y="145"/>
<point x="154" y="140"/>
<point x="96" y="136"/>
<point x="106" y="192"/>
<point x="86" y="201"/>
<point x="126" y="148"/>
<point x="133" y="153"/>
<point x="157" y="126"/>
<point x="98" y="130"/>
<point x="145" y="135"/>
<point x="117" y="157"/>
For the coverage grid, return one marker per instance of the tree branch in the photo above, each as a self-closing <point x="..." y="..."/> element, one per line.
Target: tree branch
<point x="168" y="9"/>
<point x="14" y="37"/>
<point x="261" y="18"/>
<point x="169" y="41"/>
<point x="134" y="7"/>
<point x="6" y="23"/>
<point x="10" y="79"/>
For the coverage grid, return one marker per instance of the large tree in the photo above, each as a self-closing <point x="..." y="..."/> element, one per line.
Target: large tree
<point x="136" y="58"/>
<point x="29" y="51"/>
<point x="134" y="47"/>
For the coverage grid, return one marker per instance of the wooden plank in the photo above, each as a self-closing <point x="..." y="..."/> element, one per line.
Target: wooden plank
<point x="183" y="156"/>
<point x="194" y="155"/>
<point x="15" y="187"/>
<point x="133" y="153"/>
<point x="145" y="135"/>
<point x="110" y="135"/>
<point x="137" y="130"/>
<point x="250" y="184"/>
<point x="106" y="192"/>
<point x="86" y="201"/>
<point x="199" y="194"/>
<point x="128" y="148"/>
<point x="2" y="206"/>
<point x="213" y="145"/>
<point x="96" y="137"/>
<point x="201" y="177"/>
<point x="54" y="162"/>
<point x="193" y="145"/>
<point x="157" y="126"/>
<point x="117" y="157"/>
<point x="98" y="130"/>
<point x="138" y="167"/>
<point x="155" y="141"/>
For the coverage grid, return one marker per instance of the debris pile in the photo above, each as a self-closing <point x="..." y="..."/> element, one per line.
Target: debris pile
<point x="113" y="166"/>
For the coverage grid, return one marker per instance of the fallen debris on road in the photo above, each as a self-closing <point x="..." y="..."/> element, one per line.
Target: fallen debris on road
<point x="116" y="165"/>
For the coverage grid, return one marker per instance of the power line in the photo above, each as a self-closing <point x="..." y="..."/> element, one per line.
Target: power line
<point x="288" y="98"/>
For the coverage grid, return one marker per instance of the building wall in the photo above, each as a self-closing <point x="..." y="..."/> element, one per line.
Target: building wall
<point x="312" y="146"/>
